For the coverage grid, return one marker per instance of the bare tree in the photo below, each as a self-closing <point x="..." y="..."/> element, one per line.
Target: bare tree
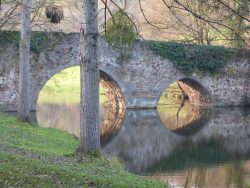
<point x="238" y="23"/>
<point x="225" y="9"/>
<point x="197" y="21"/>
<point x="8" y="13"/>
<point x="89" y="113"/>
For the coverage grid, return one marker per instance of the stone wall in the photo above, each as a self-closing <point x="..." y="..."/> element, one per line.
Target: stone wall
<point x="142" y="78"/>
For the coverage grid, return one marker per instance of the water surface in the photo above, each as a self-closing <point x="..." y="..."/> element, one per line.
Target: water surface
<point x="187" y="147"/>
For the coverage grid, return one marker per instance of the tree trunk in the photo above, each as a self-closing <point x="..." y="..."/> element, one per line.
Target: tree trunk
<point x="24" y="90"/>
<point x="89" y="115"/>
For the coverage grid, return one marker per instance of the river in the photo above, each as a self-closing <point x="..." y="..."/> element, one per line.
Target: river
<point x="186" y="147"/>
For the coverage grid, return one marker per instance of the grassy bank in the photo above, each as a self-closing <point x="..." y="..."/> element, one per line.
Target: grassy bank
<point x="31" y="156"/>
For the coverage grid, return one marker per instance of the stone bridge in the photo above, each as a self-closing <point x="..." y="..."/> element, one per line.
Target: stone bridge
<point x="139" y="81"/>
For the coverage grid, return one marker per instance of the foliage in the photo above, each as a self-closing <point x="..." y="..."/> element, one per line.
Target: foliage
<point x="120" y="33"/>
<point x="39" y="157"/>
<point x="189" y="58"/>
<point x="38" y="39"/>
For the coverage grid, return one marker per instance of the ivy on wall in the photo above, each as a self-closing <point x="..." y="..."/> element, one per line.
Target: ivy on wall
<point x="189" y="58"/>
<point x="186" y="57"/>
<point x="38" y="40"/>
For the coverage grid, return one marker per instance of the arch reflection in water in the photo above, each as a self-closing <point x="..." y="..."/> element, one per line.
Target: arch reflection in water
<point x="58" y="104"/>
<point x="222" y="145"/>
<point x="67" y="117"/>
<point x="185" y="120"/>
<point x="181" y="107"/>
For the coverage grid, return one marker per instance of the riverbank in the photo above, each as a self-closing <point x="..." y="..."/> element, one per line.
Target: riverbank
<point x="31" y="156"/>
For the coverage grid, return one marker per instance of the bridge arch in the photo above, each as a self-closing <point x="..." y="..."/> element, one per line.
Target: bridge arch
<point x="192" y="90"/>
<point x="113" y="92"/>
<point x="112" y="108"/>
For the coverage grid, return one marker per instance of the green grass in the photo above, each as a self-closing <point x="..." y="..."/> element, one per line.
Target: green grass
<point x="34" y="138"/>
<point x="31" y="156"/>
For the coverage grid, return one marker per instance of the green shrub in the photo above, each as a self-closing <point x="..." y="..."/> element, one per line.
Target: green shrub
<point x="120" y="33"/>
<point x="188" y="58"/>
<point x="38" y="40"/>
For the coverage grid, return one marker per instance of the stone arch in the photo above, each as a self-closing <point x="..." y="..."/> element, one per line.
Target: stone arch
<point x="193" y="90"/>
<point x="38" y="82"/>
<point x="197" y="93"/>
<point x="115" y="107"/>
<point x="111" y="117"/>
<point x="116" y="99"/>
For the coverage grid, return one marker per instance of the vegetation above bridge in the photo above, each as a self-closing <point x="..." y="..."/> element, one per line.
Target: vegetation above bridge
<point x="186" y="57"/>
<point x="189" y="58"/>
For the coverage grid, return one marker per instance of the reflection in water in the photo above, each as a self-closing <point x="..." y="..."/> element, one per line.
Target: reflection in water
<point x="147" y="147"/>
<point x="183" y="118"/>
<point x="178" y="109"/>
<point x="67" y="118"/>
<point x="221" y="176"/>
<point x="59" y="104"/>
<point x="111" y="122"/>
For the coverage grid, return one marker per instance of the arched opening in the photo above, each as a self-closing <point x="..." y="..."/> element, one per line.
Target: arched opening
<point x="183" y="106"/>
<point x="58" y="104"/>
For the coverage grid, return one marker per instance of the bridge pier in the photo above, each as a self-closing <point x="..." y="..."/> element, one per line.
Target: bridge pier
<point x="141" y="104"/>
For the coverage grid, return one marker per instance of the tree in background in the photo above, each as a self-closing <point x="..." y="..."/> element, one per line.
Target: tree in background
<point x="24" y="70"/>
<point x="239" y="25"/>
<point x="8" y="14"/>
<point x="196" y="30"/>
<point x="198" y="21"/>
<point x="194" y="21"/>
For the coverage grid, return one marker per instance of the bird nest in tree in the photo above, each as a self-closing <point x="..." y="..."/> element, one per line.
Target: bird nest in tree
<point x="54" y="13"/>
